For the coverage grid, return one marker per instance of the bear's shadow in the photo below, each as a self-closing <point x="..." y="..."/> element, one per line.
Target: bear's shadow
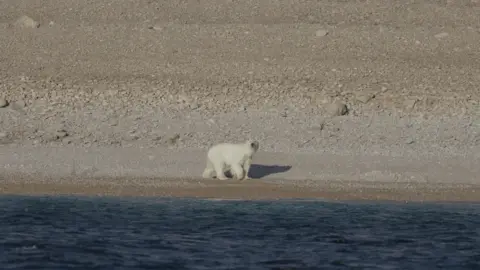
<point x="260" y="171"/>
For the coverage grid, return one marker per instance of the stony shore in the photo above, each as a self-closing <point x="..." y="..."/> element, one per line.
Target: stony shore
<point x="339" y="83"/>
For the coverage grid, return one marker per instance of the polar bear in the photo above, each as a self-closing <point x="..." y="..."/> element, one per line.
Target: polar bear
<point x="234" y="156"/>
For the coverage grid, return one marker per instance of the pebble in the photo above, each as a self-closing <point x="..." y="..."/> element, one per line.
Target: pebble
<point x="3" y="103"/>
<point x="410" y="104"/>
<point x="156" y="27"/>
<point x="113" y="123"/>
<point x="321" y="33"/>
<point x="26" y="22"/>
<point x="60" y="134"/>
<point x="410" y="141"/>
<point x="194" y="106"/>
<point x="364" y="98"/>
<point x="337" y="109"/>
<point x="157" y="138"/>
<point x="20" y="103"/>
<point x="173" y="140"/>
<point x="133" y="137"/>
<point x="441" y="35"/>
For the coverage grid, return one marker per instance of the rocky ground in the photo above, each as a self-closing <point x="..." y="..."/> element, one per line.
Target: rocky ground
<point x="323" y="77"/>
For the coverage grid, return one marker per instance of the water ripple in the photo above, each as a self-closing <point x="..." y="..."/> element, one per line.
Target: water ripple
<point x="113" y="233"/>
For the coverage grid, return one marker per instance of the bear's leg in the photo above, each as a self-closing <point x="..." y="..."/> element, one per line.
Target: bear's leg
<point x="246" y="167"/>
<point x="219" y="171"/>
<point x="237" y="171"/>
<point x="209" y="170"/>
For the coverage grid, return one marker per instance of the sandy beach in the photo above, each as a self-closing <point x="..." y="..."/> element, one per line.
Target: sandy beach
<point x="212" y="189"/>
<point x="135" y="172"/>
<point x="355" y="100"/>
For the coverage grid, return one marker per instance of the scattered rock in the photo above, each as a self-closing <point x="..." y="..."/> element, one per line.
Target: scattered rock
<point x="155" y="27"/>
<point x="194" y="106"/>
<point x="3" y="103"/>
<point x="321" y="33"/>
<point x="26" y="22"/>
<point x="301" y="144"/>
<point x="410" y="104"/>
<point x="365" y="98"/>
<point x="5" y="139"/>
<point x="20" y="104"/>
<point x="322" y="126"/>
<point x="410" y="141"/>
<point x="441" y="35"/>
<point x="320" y="99"/>
<point x="113" y="122"/>
<point x="319" y="127"/>
<point x="183" y="99"/>
<point x="476" y="139"/>
<point x="188" y="135"/>
<point x="133" y="137"/>
<point x="157" y="138"/>
<point x="53" y="136"/>
<point x="115" y="142"/>
<point x="337" y="109"/>
<point x="173" y="140"/>
<point x="60" y="134"/>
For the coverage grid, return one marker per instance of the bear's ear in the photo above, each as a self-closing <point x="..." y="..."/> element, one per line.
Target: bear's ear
<point x="254" y="145"/>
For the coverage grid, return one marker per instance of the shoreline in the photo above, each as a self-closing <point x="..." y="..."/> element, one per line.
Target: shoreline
<point x="163" y="172"/>
<point x="251" y="190"/>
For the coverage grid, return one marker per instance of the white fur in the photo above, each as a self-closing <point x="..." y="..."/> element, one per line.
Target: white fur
<point x="236" y="157"/>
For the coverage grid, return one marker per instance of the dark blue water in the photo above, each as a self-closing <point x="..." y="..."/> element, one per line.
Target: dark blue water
<point x="112" y="233"/>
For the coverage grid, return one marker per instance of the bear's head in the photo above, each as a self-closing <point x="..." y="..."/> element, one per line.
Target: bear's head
<point x="253" y="144"/>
